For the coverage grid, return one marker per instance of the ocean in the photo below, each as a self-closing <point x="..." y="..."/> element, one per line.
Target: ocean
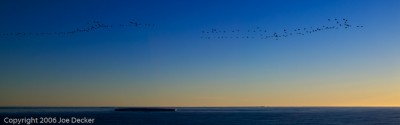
<point x="205" y="116"/>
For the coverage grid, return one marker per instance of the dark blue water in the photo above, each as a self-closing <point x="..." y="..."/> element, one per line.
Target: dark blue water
<point x="221" y="116"/>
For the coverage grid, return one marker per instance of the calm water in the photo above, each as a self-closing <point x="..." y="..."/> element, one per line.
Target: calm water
<point x="221" y="116"/>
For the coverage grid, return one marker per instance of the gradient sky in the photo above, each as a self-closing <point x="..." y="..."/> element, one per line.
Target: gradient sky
<point x="170" y="65"/>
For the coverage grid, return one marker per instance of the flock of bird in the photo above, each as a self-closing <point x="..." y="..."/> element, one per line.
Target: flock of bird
<point x="262" y="33"/>
<point x="213" y="33"/>
<point x="90" y="27"/>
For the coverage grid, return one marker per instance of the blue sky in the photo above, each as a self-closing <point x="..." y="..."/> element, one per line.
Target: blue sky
<point x="141" y="66"/>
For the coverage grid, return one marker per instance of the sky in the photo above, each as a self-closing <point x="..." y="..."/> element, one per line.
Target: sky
<point x="170" y="60"/>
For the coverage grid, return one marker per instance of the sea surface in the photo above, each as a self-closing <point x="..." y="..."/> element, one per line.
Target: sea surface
<point x="215" y="116"/>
